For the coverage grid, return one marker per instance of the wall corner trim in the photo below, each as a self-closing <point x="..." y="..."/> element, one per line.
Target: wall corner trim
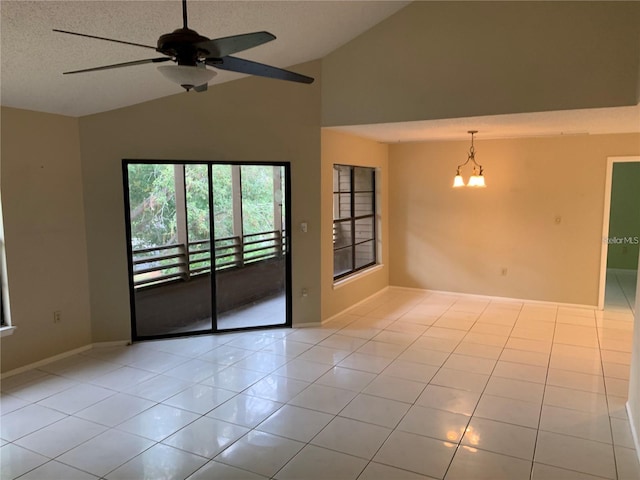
<point x="634" y="432"/>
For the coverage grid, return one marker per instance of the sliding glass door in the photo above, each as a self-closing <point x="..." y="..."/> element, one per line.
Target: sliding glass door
<point x="208" y="246"/>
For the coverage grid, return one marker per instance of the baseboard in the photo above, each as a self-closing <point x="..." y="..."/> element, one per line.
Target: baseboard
<point x="493" y="297"/>
<point x="634" y="432"/>
<point x="60" y="356"/>
<point x="307" y="325"/>
<point x="346" y="310"/>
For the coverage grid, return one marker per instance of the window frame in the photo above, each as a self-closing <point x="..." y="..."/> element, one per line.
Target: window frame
<point x="352" y="219"/>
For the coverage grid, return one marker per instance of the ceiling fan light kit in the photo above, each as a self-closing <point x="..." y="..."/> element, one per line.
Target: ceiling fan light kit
<point x="192" y="53"/>
<point x="187" y="77"/>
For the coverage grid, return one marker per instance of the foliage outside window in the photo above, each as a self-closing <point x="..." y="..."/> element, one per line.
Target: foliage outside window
<point x="354" y="219"/>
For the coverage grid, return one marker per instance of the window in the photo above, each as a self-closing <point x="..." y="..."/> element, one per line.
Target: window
<point x="354" y="219"/>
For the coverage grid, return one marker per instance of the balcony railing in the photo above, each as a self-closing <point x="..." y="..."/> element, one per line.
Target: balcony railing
<point x="157" y="265"/>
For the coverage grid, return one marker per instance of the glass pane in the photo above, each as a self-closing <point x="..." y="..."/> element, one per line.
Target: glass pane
<point x="343" y="205"/>
<point x="197" y="194"/>
<point x="342" y="261"/>
<point x="364" y="229"/>
<point x="341" y="178"/>
<point x="251" y="268"/>
<point x="222" y="201"/>
<point x="365" y="254"/>
<point x="172" y="286"/>
<point x="363" y="179"/>
<point x="363" y="204"/>
<point x="257" y="199"/>
<point x="342" y="234"/>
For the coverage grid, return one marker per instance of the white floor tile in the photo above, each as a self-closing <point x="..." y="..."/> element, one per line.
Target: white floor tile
<point x="352" y="437"/>
<point x="575" y="399"/>
<point x="277" y="388"/>
<point x="547" y="472"/>
<point x="115" y="409"/>
<point x="61" y="436"/>
<point x="346" y="378"/>
<point x="262" y="362"/>
<point x="323" y="398"/>
<point x="199" y="398"/>
<point x="450" y="399"/>
<point x="104" y="453"/>
<point x="41" y="388"/>
<point x="260" y="453"/>
<point x="28" y="419"/>
<point x="160" y="461"/>
<point x="234" y="378"/>
<point x="416" y="453"/>
<point x="378" y="471"/>
<point x="17" y="460"/>
<point x="434" y="423"/>
<point x="576" y="380"/>
<point x="158" y="388"/>
<point x="303" y="370"/>
<point x="9" y="403"/>
<point x="575" y="423"/>
<point x="627" y="463"/>
<point x="376" y="410"/>
<point x="478" y="464"/>
<point x="296" y="423"/>
<point x="508" y="410"/>
<point x="503" y="438"/>
<point x="206" y="436"/>
<point x="395" y="388"/>
<point x="516" y="389"/>
<point x="473" y="382"/>
<point x="417" y="372"/>
<point x="219" y="470"/>
<point x="158" y="422"/>
<point x="76" y="398"/>
<point x="315" y="463"/>
<point x="572" y="453"/>
<point x="245" y="410"/>
<point x="56" y="470"/>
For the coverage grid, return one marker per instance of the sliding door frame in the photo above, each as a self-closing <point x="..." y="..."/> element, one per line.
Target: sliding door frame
<point x="213" y="284"/>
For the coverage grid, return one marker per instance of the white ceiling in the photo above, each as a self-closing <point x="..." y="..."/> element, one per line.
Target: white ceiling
<point x="34" y="57"/>
<point x="591" y="121"/>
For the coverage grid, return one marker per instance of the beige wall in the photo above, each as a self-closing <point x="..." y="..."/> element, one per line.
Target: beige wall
<point x="460" y="239"/>
<point x="45" y="236"/>
<point x="456" y="59"/>
<point x="340" y="148"/>
<point x="253" y="119"/>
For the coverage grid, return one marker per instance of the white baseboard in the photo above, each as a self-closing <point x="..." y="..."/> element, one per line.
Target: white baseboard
<point x="493" y="297"/>
<point x="634" y="432"/>
<point x="346" y="310"/>
<point x="60" y="356"/>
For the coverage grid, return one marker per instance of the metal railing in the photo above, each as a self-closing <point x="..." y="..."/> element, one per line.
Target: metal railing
<point x="157" y="265"/>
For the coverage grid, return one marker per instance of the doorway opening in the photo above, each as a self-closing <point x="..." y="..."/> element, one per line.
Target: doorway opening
<point x="621" y="235"/>
<point x="208" y="246"/>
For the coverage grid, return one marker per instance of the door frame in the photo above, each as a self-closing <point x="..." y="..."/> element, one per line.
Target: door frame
<point x="288" y="251"/>
<point x="605" y="222"/>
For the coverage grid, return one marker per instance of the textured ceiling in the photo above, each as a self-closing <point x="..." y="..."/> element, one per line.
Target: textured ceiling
<point x="34" y="57"/>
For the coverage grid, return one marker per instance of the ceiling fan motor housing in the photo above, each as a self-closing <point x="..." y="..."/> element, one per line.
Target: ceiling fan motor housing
<point x="181" y="45"/>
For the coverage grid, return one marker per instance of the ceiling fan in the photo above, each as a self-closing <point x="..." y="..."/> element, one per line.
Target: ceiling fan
<point x="192" y="53"/>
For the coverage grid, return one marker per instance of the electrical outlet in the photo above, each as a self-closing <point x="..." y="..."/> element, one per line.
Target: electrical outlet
<point x="57" y="316"/>
<point x="304" y="292"/>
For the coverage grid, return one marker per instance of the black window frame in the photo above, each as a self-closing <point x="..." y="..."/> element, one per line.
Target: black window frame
<point x="353" y="218"/>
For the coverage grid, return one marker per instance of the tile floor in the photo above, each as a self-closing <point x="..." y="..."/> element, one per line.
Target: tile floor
<point x="620" y="289"/>
<point x="408" y="385"/>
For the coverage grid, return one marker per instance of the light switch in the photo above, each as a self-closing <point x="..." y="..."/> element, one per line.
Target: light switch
<point x="304" y="227"/>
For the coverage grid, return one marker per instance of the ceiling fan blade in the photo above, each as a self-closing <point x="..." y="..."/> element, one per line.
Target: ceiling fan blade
<point x="221" y="47"/>
<point x="124" y="64"/>
<point x="104" y="38"/>
<point x="241" y="65"/>
<point x="200" y="88"/>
